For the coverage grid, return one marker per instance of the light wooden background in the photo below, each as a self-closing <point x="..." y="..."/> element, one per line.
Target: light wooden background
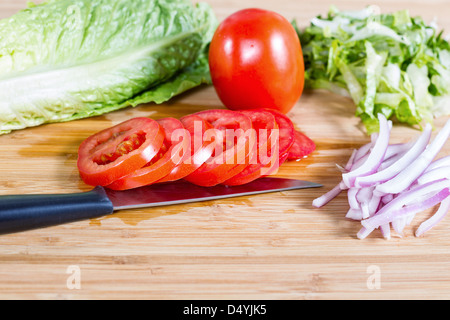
<point x="262" y="247"/>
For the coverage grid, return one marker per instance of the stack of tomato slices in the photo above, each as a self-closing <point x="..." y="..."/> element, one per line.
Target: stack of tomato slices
<point x="206" y="148"/>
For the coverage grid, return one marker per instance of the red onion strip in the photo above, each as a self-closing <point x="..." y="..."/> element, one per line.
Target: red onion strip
<point x="375" y="157"/>
<point x="412" y="172"/>
<point x="382" y="216"/>
<point x="435" y="219"/>
<point x="354" y="214"/>
<point x="403" y="212"/>
<point x="399" y="224"/>
<point x="389" y="184"/>
<point x="361" y="152"/>
<point x="352" y="200"/>
<point x="327" y="197"/>
<point x="333" y="193"/>
<point x="400" y="164"/>
<point x="442" y="162"/>
<point x="435" y="174"/>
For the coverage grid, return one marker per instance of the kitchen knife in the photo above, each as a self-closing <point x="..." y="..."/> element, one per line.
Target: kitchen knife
<point x="25" y="212"/>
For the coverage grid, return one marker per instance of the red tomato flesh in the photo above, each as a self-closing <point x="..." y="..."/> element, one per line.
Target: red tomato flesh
<point x="118" y="151"/>
<point x="265" y="160"/>
<point x="235" y="145"/>
<point x="302" y="147"/>
<point x="287" y="135"/>
<point x="173" y="151"/>
<point x="199" y="150"/>
<point x="206" y="148"/>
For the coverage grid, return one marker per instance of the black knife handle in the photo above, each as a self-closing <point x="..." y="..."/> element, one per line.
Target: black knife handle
<point x="25" y="212"/>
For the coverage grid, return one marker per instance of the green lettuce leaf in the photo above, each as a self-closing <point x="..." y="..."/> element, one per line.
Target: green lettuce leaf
<point x="70" y="59"/>
<point x="392" y="63"/>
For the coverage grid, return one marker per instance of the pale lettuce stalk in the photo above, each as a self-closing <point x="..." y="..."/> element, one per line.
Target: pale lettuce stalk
<point x="392" y="64"/>
<point x="373" y="67"/>
<point x="353" y="85"/>
<point x="71" y="59"/>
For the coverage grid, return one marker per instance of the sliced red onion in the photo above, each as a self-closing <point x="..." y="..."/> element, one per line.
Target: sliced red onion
<point x="386" y="231"/>
<point x="415" y="194"/>
<point x="374" y="137"/>
<point x="400" y="164"/>
<point x="350" y="162"/>
<point x="364" y="233"/>
<point x="403" y="212"/>
<point x="409" y="220"/>
<point x="359" y="162"/>
<point x="375" y="157"/>
<point x="354" y="214"/>
<point x="365" y="210"/>
<point x="434" y="174"/>
<point x="385" y="164"/>
<point x="442" y="162"/>
<point x="327" y="197"/>
<point x="333" y="193"/>
<point x="396" y="149"/>
<point x="363" y="151"/>
<point x="374" y="204"/>
<point x="399" y="224"/>
<point x="414" y="170"/>
<point x="364" y="197"/>
<point x="389" y="184"/>
<point x="387" y="198"/>
<point x="435" y="219"/>
<point x="382" y="216"/>
<point x="352" y="200"/>
<point x="393" y="154"/>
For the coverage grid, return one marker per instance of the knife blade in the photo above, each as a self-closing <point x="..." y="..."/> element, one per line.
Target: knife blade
<point x="26" y="212"/>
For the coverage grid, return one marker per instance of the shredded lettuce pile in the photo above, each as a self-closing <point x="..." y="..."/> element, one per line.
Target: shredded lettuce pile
<point x="71" y="59"/>
<point x="392" y="64"/>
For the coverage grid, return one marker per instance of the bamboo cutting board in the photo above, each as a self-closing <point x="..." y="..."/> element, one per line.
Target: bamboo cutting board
<point x="273" y="246"/>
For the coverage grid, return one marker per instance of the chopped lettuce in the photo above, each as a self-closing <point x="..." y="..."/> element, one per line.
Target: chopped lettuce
<point x="393" y="64"/>
<point x="70" y="59"/>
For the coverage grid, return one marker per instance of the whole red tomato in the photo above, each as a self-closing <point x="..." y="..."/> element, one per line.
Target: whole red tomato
<point x="256" y="61"/>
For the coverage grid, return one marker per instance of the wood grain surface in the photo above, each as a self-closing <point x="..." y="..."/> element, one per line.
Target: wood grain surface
<point x="273" y="246"/>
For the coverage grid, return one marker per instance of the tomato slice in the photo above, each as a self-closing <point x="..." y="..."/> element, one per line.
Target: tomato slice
<point x="287" y="134"/>
<point x="172" y="152"/>
<point x="302" y="147"/>
<point x="265" y="160"/>
<point x="235" y="145"/>
<point x="117" y="151"/>
<point x="199" y="150"/>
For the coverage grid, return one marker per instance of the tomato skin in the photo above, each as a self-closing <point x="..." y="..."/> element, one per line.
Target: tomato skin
<point x="169" y="156"/>
<point x="231" y="159"/>
<point x="117" y="151"/>
<point x="256" y="61"/>
<point x="287" y="135"/>
<point x="302" y="147"/>
<point x="265" y="161"/>
<point x="199" y="150"/>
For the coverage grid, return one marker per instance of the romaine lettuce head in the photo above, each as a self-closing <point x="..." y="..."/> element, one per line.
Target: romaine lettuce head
<point x="71" y="59"/>
<point x="390" y="63"/>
